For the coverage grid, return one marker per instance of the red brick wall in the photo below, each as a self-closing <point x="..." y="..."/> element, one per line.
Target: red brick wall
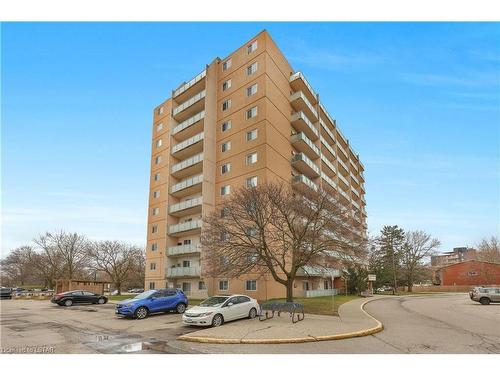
<point x="471" y="273"/>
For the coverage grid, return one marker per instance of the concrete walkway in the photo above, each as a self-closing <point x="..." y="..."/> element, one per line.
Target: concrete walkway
<point x="352" y="321"/>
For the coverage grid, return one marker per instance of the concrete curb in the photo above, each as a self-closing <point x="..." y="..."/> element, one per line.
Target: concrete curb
<point x="294" y="340"/>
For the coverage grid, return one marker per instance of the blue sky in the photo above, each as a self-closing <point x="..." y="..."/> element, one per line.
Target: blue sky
<point x="420" y="103"/>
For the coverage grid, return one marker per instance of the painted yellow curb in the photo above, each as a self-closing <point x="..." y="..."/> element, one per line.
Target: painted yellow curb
<point x="340" y="336"/>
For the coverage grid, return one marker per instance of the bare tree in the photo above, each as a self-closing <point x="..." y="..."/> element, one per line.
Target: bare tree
<point x="118" y="260"/>
<point x="18" y="268"/>
<point x="418" y="247"/>
<point x="488" y="250"/>
<point x="274" y="229"/>
<point x="64" y="252"/>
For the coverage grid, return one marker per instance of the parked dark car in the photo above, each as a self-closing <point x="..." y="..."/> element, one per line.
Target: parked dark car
<point x="153" y="301"/>
<point x="78" y="297"/>
<point x="6" y="293"/>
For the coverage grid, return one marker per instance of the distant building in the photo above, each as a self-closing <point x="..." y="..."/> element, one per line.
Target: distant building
<point x="459" y="254"/>
<point x="470" y="272"/>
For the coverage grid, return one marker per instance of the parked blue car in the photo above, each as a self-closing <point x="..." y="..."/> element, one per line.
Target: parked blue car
<point x="153" y="301"/>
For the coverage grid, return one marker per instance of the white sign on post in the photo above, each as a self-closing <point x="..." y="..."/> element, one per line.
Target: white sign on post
<point x="372" y="277"/>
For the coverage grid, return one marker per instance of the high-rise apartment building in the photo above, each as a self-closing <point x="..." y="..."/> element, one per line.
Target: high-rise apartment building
<point x="243" y="120"/>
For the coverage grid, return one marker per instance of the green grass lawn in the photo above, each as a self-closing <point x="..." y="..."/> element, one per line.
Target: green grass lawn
<point x="322" y="305"/>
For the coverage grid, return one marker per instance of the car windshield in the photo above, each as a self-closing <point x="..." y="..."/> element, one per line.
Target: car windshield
<point x="146" y="294"/>
<point x="214" y="301"/>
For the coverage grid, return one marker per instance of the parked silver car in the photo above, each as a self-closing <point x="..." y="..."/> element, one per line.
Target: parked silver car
<point x="485" y="295"/>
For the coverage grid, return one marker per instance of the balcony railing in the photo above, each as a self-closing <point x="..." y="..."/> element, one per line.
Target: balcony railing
<point x="355" y="178"/>
<point x="355" y="192"/>
<point x="318" y="271"/>
<point x="301" y="179"/>
<point x="326" y="113"/>
<point x="191" y="203"/>
<point x="343" y="179"/>
<point x="301" y="137"/>
<point x="327" y="146"/>
<point x="328" y="163"/>
<point x="327" y="130"/>
<point x="187" y="163"/>
<point x="320" y="293"/>
<point x="300" y="97"/>
<point x="345" y="195"/>
<point x="302" y="123"/>
<point x="183" y="271"/>
<point x="300" y="158"/>
<point x="355" y="204"/>
<point x="341" y="162"/>
<point x="188" y="103"/>
<point x="341" y="148"/>
<point x="185" y="227"/>
<point x="189" y="84"/>
<point x="189" y="122"/>
<point x="186" y="183"/>
<point x="188" y="142"/>
<point x="183" y="249"/>
<point x="354" y="165"/>
<point x="329" y="181"/>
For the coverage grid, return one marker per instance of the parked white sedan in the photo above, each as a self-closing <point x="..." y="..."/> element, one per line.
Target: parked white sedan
<point x="216" y="310"/>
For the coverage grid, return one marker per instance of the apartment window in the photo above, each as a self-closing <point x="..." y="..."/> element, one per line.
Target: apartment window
<point x="226" y="85"/>
<point x="226" y="146"/>
<point x="326" y="284"/>
<point x="252" y="158"/>
<point x="186" y="263"/>
<point x="157" y="177"/>
<point x="226" y="105"/>
<point x="226" y="125"/>
<point x="154" y="228"/>
<point x="152" y="266"/>
<point x="252" y="90"/>
<point x="201" y="285"/>
<point x="160" y="110"/>
<point x="187" y="242"/>
<point x="251" y="69"/>
<point x="252" y="182"/>
<point x="223" y="285"/>
<point x="156" y="211"/>
<point x="152" y="285"/>
<point x="154" y="246"/>
<point x="225" y="190"/>
<point x="251" y="135"/>
<point x="158" y="143"/>
<point x="159" y="127"/>
<point x="225" y="168"/>
<point x="158" y="160"/>
<point x="156" y="194"/>
<point x="226" y="64"/>
<point x="252" y="47"/>
<point x="251" y="285"/>
<point x="252" y="112"/>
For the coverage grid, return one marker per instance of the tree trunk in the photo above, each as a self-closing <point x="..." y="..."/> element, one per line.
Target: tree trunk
<point x="118" y="286"/>
<point x="289" y="290"/>
<point x="410" y="284"/>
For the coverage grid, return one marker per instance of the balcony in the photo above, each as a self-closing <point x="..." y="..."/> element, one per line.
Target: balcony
<point x="331" y="152"/>
<point x="327" y="115"/>
<point x="189" y="127"/>
<point x="183" y="250"/>
<point x="344" y="180"/>
<point x="344" y="169"/>
<point x="187" y="187"/>
<point x="355" y="204"/>
<point x="343" y="153"/>
<point x="355" y="192"/>
<point x="355" y="179"/>
<point x="190" y="88"/>
<point x="318" y="271"/>
<point x="302" y="180"/>
<point x="305" y="165"/>
<point x="305" y="145"/>
<point x="183" y="272"/>
<point x="189" y="147"/>
<point x="301" y="123"/>
<point x="345" y="195"/>
<point x="327" y="131"/>
<point x="354" y="166"/>
<point x="300" y="102"/>
<point x="190" y="107"/>
<point x="187" y="167"/>
<point x="185" y="229"/>
<point x="299" y="83"/>
<point x="329" y="164"/>
<point x="330" y="182"/>
<point x="189" y="207"/>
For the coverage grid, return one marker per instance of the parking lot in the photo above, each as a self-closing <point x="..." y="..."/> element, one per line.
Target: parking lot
<point x="43" y="327"/>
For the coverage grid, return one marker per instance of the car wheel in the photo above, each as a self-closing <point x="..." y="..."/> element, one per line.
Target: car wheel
<point x="141" y="313"/>
<point x="253" y="313"/>
<point x="101" y="301"/>
<point x="484" y="301"/>
<point x="68" y="303"/>
<point x="180" y="308"/>
<point x="217" y="320"/>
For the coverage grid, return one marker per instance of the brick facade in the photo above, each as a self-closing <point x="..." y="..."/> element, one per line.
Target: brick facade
<point x="470" y="272"/>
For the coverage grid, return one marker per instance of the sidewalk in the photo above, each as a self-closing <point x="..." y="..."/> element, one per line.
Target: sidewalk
<point x="352" y="321"/>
